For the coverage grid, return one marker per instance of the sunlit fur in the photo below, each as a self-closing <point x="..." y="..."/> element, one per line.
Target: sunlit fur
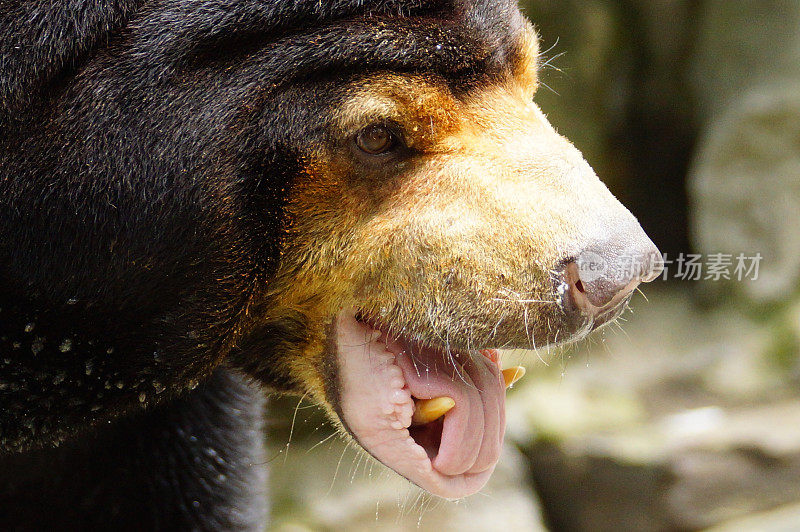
<point x="183" y="211"/>
<point x="458" y="248"/>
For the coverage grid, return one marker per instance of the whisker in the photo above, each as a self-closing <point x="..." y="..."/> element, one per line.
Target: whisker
<point x="496" y="325"/>
<point x="542" y="54"/>
<point x="548" y="87"/>
<point x="338" y="465"/>
<point x="643" y="295"/>
<point x="549" y="62"/>
<point x="624" y="332"/>
<point x="333" y="435"/>
<point x="531" y="339"/>
<point x="291" y="429"/>
<point x="524" y="301"/>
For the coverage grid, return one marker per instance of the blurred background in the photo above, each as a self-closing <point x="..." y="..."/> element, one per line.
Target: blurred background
<point x="687" y="416"/>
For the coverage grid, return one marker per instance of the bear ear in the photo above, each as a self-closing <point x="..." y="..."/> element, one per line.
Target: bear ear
<point x="40" y="39"/>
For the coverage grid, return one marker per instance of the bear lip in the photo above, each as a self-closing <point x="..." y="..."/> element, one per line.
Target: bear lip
<point x="379" y="378"/>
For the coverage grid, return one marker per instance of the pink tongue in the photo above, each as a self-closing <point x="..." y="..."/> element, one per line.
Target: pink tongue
<point x="472" y="433"/>
<point x="377" y="382"/>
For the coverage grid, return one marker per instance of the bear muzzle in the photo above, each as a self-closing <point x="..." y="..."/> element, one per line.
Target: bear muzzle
<point x="602" y="278"/>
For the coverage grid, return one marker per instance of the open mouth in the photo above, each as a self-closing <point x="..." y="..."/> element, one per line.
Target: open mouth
<point x="393" y="393"/>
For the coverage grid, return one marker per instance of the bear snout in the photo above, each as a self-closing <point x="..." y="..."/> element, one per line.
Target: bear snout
<point x="601" y="279"/>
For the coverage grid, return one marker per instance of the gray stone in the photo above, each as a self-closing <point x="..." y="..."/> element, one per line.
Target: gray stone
<point x="745" y="183"/>
<point x="743" y="44"/>
<point x="679" y="424"/>
<point x="746" y="188"/>
<point x="784" y="519"/>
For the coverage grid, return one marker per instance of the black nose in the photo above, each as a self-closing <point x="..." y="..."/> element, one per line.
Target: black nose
<point x="606" y="273"/>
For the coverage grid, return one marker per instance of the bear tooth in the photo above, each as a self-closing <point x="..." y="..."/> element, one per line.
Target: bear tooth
<point x="512" y="375"/>
<point x="428" y="410"/>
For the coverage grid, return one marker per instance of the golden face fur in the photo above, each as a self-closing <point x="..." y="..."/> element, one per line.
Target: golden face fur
<point x="266" y="227"/>
<point x="457" y="244"/>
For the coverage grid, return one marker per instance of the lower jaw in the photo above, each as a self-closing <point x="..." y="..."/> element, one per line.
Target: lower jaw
<point x="376" y="407"/>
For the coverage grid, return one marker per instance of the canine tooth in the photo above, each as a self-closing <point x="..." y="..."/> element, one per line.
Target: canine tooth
<point x="428" y="410"/>
<point x="512" y="375"/>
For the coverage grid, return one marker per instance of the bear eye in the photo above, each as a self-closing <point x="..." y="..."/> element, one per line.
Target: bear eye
<point x="376" y="139"/>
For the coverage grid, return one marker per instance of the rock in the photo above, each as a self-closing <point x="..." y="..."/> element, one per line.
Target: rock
<point x="699" y="469"/>
<point x="679" y="424"/>
<point x="741" y="45"/>
<point x="784" y="519"/>
<point x="746" y="189"/>
<point x="745" y="182"/>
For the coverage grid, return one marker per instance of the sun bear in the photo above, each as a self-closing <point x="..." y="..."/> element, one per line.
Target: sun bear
<point x="204" y="201"/>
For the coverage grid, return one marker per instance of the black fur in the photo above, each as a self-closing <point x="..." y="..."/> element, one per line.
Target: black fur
<point x="146" y="150"/>
<point x="196" y="463"/>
